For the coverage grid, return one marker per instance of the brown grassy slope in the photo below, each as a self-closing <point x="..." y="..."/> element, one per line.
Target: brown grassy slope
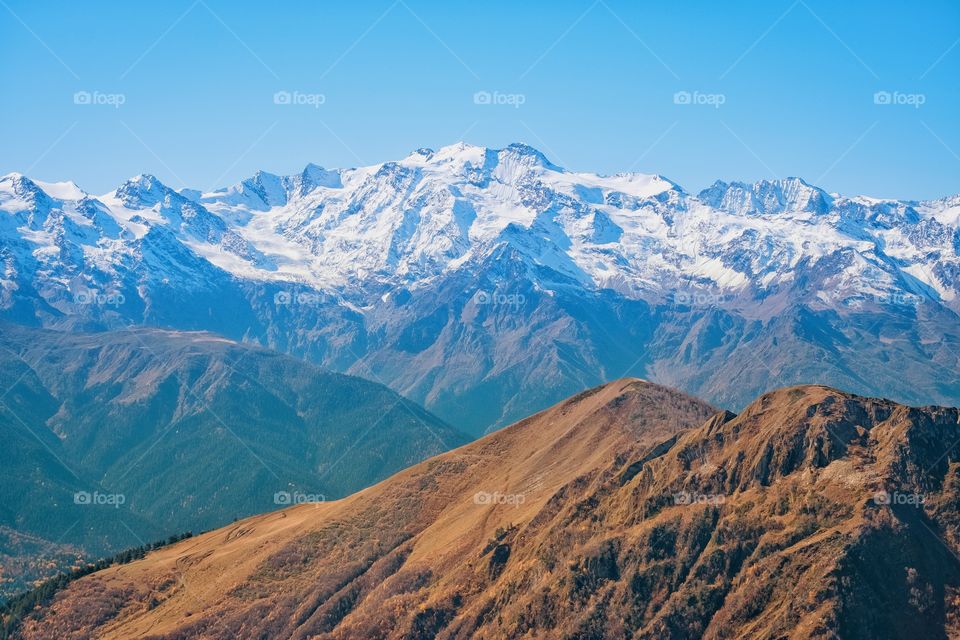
<point x="634" y="522"/>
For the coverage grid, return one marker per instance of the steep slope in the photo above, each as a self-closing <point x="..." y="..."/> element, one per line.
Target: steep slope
<point x="189" y="430"/>
<point x="813" y="514"/>
<point x="487" y="284"/>
<point x="41" y="529"/>
<point x="401" y="535"/>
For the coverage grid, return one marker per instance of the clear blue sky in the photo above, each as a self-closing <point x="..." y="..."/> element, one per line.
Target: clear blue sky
<point x="597" y="80"/>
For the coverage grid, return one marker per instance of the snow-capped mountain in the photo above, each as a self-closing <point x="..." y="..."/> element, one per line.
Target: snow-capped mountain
<point x="467" y="277"/>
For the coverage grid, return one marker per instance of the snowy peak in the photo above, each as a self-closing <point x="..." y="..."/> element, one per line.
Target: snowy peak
<point x="526" y="154"/>
<point x="144" y="204"/>
<point x="268" y="188"/>
<point x="457" y="153"/>
<point x="314" y="176"/>
<point x="144" y="190"/>
<point x="767" y="197"/>
<point x="264" y="190"/>
<point x="885" y="214"/>
<point x="411" y="221"/>
<point x="25" y="189"/>
<point x="423" y="152"/>
<point x="67" y="190"/>
<point x="462" y="157"/>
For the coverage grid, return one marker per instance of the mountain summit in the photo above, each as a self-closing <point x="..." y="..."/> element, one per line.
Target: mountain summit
<point x="629" y="510"/>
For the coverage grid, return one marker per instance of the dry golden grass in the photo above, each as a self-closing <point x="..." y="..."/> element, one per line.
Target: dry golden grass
<point x="626" y="511"/>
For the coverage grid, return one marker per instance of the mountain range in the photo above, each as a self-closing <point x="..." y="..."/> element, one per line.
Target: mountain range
<point x="116" y="439"/>
<point x="630" y="510"/>
<point x="486" y="284"/>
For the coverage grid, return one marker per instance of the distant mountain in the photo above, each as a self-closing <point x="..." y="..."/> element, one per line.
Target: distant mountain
<point x="630" y="510"/>
<point x="115" y="439"/>
<point x="487" y="284"/>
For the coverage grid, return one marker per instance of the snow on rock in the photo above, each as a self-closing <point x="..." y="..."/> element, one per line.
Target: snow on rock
<point x="411" y="221"/>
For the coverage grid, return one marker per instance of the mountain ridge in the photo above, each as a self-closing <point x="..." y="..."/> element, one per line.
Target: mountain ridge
<point x="516" y="268"/>
<point x="813" y="513"/>
<point x="471" y="163"/>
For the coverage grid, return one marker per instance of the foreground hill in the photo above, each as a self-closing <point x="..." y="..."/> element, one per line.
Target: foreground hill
<point x="627" y="511"/>
<point x="114" y="439"/>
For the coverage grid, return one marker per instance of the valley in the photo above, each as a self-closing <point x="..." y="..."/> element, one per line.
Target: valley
<point x="112" y="440"/>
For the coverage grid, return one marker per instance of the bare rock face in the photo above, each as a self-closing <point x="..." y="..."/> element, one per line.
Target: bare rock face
<point x="629" y="510"/>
